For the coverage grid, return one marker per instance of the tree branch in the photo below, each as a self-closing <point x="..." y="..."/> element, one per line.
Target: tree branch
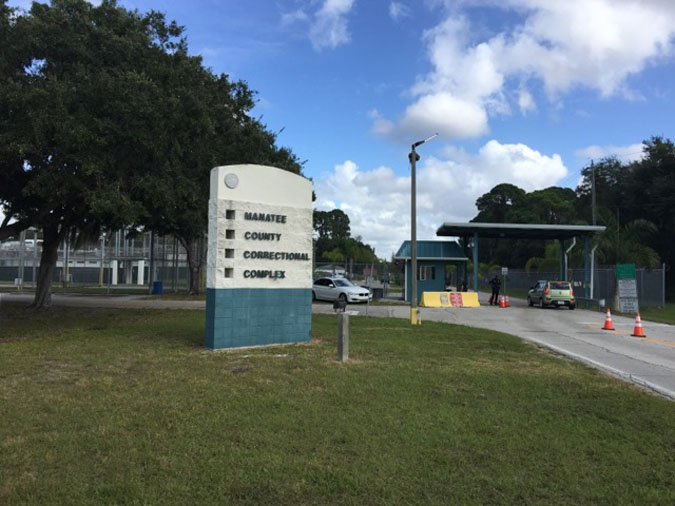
<point x="12" y="229"/>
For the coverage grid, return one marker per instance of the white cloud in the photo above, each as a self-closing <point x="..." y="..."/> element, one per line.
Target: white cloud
<point x="526" y="102"/>
<point x="378" y="201"/>
<point x="630" y="153"/>
<point x="597" y="44"/>
<point x="381" y="126"/>
<point x="329" y="27"/>
<point x="450" y="116"/>
<point x="290" y="18"/>
<point x="398" y="10"/>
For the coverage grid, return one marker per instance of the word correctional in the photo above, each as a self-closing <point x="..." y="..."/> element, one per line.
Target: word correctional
<point x="277" y="218"/>
<point x="262" y="236"/>
<point x="276" y="255"/>
<point x="265" y="274"/>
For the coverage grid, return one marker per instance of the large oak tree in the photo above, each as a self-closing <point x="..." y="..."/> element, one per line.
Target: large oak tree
<point x="106" y="121"/>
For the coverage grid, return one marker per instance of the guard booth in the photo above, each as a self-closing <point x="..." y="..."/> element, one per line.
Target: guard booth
<point x="432" y="259"/>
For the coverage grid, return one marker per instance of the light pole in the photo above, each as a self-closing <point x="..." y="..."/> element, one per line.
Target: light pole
<point x="414" y="157"/>
<point x="593" y="191"/>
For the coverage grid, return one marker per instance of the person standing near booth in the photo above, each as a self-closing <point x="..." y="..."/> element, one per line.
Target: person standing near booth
<point x="496" y="285"/>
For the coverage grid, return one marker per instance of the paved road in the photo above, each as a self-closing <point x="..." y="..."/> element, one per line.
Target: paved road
<point x="649" y="362"/>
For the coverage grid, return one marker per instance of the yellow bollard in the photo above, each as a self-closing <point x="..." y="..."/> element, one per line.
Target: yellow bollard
<point x="414" y="316"/>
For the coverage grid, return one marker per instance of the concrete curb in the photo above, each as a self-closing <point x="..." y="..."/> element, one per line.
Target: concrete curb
<point x="603" y="367"/>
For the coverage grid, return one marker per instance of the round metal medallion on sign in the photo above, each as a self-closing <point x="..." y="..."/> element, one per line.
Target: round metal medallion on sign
<point x="231" y="181"/>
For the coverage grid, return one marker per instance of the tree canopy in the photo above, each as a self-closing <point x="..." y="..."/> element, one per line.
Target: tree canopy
<point x="635" y="201"/>
<point x="333" y="241"/>
<point x="106" y="121"/>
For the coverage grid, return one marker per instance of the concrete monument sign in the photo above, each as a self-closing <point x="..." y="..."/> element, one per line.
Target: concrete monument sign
<point x="259" y="265"/>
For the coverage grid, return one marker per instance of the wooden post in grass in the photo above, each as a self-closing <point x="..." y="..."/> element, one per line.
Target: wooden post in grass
<point x="343" y="337"/>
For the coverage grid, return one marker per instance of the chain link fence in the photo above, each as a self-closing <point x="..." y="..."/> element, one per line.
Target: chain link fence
<point x="651" y="283"/>
<point x="114" y="262"/>
<point x="119" y="262"/>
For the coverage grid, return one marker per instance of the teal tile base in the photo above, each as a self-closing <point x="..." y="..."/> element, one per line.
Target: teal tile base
<point x="239" y="317"/>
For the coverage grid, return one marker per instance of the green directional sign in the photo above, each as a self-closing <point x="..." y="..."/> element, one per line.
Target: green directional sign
<point x="625" y="271"/>
<point x="627" y="286"/>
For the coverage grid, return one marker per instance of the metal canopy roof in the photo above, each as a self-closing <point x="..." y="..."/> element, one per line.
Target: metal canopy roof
<point x="517" y="230"/>
<point x="433" y="250"/>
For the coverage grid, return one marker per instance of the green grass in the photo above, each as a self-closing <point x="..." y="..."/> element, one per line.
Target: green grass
<point x="177" y="296"/>
<point x="650" y="313"/>
<point x="126" y="407"/>
<point x="657" y="314"/>
<point x="57" y="288"/>
<point x="388" y="302"/>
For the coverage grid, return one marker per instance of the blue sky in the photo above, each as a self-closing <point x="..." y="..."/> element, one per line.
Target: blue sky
<point x="520" y="91"/>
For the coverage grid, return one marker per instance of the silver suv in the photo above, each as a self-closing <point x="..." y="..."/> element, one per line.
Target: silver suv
<point x="335" y="288"/>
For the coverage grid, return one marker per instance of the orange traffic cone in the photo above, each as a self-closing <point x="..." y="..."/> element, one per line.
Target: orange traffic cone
<point x="608" y="321"/>
<point x="638" y="331"/>
<point x="506" y="298"/>
<point x="502" y="303"/>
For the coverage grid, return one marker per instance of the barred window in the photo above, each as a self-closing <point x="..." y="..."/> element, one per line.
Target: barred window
<point x="426" y="272"/>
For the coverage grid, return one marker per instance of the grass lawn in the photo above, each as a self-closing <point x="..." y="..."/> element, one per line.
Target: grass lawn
<point x="126" y="407"/>
<point x="57" y="288"/>
<point x="659" y="314"/>
<point x="650" y="313"/>
<point x="176" y="296"/>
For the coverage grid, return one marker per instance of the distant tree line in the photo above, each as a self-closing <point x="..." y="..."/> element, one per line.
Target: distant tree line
<point x="634" y="200"/>
<point x="107" y="122"/>
<point x="333" y="241"/>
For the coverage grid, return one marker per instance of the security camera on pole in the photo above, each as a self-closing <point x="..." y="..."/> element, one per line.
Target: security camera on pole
<point x="414" y="157"/>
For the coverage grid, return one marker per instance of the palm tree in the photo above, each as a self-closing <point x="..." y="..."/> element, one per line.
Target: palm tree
<point x="549" y="262"/>
<point x="626" y="244"/>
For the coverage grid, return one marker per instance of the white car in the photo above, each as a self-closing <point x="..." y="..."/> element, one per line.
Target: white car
<point x="335" y="288"/>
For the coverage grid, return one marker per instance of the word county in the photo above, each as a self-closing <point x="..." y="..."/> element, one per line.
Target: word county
<point x="262" y="236"/>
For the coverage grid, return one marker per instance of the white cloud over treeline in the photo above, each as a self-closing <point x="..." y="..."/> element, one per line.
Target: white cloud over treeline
<point x="595" y="152"/>
<point x="378" y="200"/>
<point x="553" y="46"/>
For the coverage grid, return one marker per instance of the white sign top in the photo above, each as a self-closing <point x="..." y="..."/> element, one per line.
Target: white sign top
<point x="260" y="228"/>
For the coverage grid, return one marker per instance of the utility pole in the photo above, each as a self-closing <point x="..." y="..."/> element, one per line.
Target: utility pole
<point x="101" y="271"/>
<point x="414" y="157"/>
<point x="151" y="270"/>
<point x="593" y="191"/>
<point x="587" y="292"/>
<point x="35" y="251"/>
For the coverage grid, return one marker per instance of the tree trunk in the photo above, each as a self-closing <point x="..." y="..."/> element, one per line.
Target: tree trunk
<point x="195" y="258"/>
<point x="50" y="250"/>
